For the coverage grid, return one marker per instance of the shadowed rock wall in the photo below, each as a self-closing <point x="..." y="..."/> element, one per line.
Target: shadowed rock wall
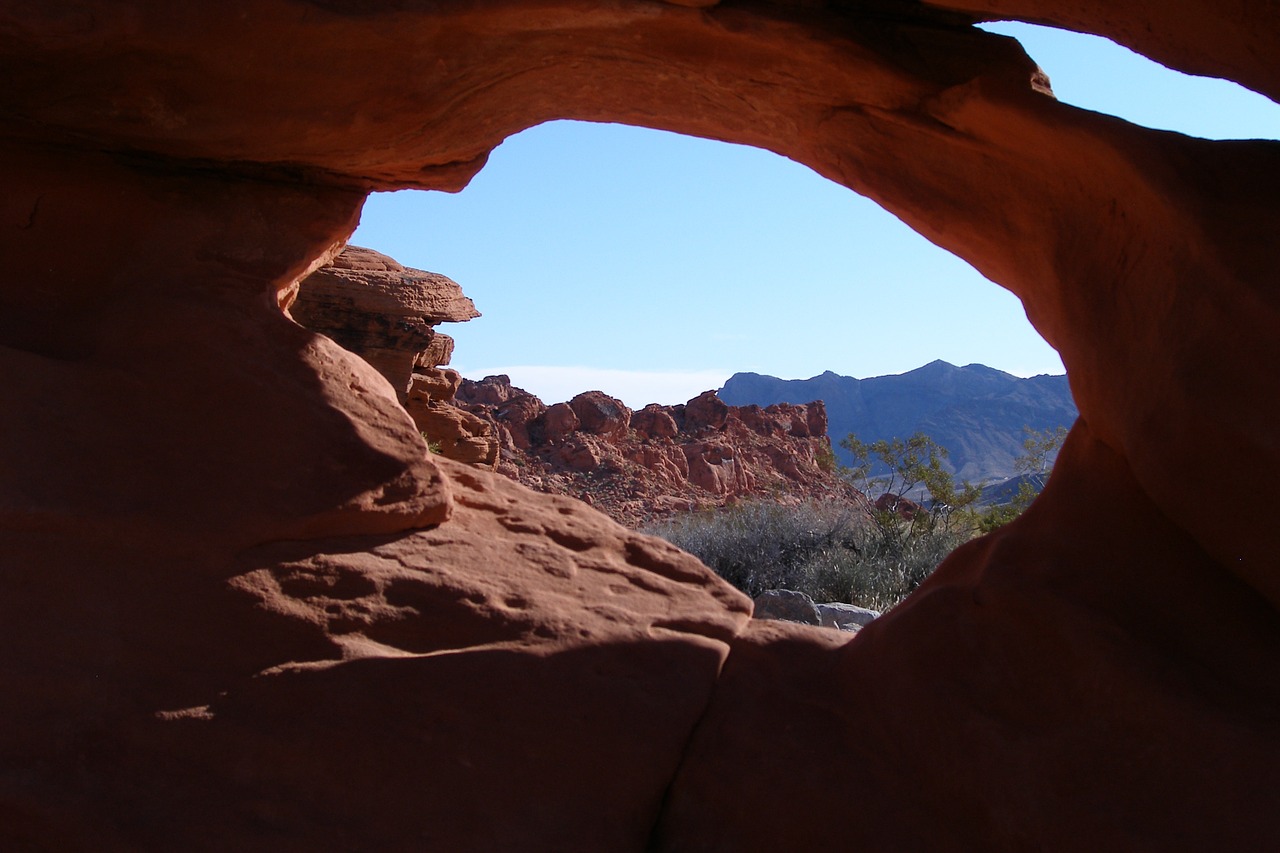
<point x="244" y="610"/>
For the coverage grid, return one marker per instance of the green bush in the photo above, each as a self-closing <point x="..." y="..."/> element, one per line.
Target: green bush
<point x="915" y="471"/>
<point x="759" y="545"/>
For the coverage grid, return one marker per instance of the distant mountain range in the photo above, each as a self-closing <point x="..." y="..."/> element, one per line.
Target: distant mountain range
<point x="976" y="412"/>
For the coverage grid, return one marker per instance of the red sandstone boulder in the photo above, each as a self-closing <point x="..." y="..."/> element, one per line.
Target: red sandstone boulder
<point x="706" y="411"/>
<point x="904" y="508"/>
<point x="434" y="384"/>
<point x="385" y="313"/>
<point x="754" y="419"/>
<point x="558" y="422"/>
<point x="796" y="419"/>
<point x="787" y="461"/>
<point x="489" y="391"/>
<point x="667" y="462"/>
<point x="456" y="434"/>
<point x="602" y="415"/>
<point x="815" y="415"/>
<point x="371" y="283"/>
<point x="654" y="421"/>
<point x="714" y="467"/>
<point x="516" y="415"/>
<point x="439" y="351"/>
<point x="580" y="456"/>
<point x="382" y="311"/>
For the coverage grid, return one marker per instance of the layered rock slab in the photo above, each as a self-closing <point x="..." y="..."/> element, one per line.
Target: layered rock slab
<point x="380" y="692"/>
<point x="381" y="310"/>
<point x="386" y="313"/>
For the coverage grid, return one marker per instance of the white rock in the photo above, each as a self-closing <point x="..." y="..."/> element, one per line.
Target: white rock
<point x="846" y="617"/>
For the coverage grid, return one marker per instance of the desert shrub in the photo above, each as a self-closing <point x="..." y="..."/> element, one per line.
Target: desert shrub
<point x="831" y="552"/>
<point x="853" y="553"/>
<point x="760" y="545"/>
<point x="891" y="566"/>
<point x="992" y="518"/>
<point x="914" y="468"/>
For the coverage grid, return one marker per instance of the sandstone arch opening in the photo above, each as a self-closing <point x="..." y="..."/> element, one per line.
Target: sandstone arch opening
<point x="194" y="660"/>
<point x="601" y="246"/>
<point x="603" y="287"/>
<point x="628" y="250"/>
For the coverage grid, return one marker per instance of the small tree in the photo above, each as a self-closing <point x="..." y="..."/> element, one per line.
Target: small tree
<point x="914" y="463"/>
<point x="1040" y="451"/>
<point x="906" y="543"/>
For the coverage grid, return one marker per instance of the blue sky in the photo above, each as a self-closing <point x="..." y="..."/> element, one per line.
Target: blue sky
<point x="652" y="266"/>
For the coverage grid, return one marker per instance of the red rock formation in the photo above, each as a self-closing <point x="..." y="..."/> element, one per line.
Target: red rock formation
<point x="558" y="422"/>
<point x="387" y="313"/>
<point x="602" y="415"/>
<point x="653" y="421"/>
<point x="242" y="609"/>
<point x="643" y="466"/>
<point x="706" y="411"/>
<point x="382" y="311"/>
<point x="904" y="507"/>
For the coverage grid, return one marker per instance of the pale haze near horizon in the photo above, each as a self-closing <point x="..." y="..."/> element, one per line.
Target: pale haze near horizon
<point x="652" y="266"/>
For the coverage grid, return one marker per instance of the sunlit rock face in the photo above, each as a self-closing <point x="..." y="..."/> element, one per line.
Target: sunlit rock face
<point x="385" y="313"/>
<point x="242" y="609"/>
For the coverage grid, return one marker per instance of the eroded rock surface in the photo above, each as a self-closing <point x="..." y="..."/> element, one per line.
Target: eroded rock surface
<point x="386" y="313"/>
<point x="382" y="311"/>
<point x="242" y="609"/>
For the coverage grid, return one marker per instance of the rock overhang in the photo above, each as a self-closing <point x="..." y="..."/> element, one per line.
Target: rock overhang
<point x="405" y="95"/>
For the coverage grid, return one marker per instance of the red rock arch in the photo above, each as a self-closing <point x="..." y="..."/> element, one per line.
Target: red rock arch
<point x="231" y="573"/>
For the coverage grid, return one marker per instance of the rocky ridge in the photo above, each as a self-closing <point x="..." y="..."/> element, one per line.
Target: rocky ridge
<point x="638" y="465"/>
